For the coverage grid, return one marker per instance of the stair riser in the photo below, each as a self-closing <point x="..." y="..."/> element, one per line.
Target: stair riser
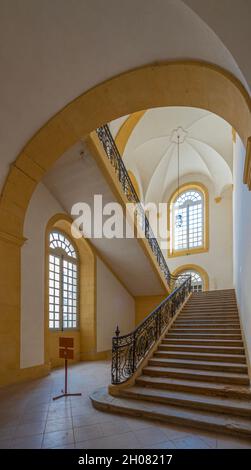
<point x="207" y="323"/>
<point x="229" y="331"/>
<point x="202" y="349"/>
<point x="212" y="305"/>
<point x="201" y="377"/>
<point x="200" y="311"/>
<point x="209" y="315"/>
<point x="203" y="390"/>
<point x="203" y="336"/>
<point x="238" y="369"/>
<point x="209" y="326"/>
<point x="201" y="357"/>
<point x="182" y="421"/>
<point x="203" y="342"/>
<point x="188" y="404"/>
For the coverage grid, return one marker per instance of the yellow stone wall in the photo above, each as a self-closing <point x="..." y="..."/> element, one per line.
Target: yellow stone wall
<point x="145" y="305"/>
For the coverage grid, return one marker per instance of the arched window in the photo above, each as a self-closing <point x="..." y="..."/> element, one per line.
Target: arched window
<point x="188" y="221"/>
<point x="63" y="282"/>
<point x="197" y="281"/>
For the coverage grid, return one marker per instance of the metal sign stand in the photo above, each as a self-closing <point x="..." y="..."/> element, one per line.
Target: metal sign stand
<point x="66" y="352"/>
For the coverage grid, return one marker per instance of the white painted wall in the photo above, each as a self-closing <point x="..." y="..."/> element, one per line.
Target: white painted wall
<point x="242" y="243"/>
<point x="218" y="261"/>
<point x="99" y="40"/>
<point x="41" y="208"/>
<point x="115" y="306"/>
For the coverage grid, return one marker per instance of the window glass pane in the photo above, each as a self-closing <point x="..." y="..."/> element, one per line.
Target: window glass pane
<point x="63" y="283"/>
<point x="188" y="220"/>
<point x="68" y="294"/>
<point x="53" y="293"/>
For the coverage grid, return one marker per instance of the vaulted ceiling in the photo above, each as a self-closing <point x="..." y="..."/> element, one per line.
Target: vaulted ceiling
<point x="52" y="51"/>
<point x="151" y="151"/>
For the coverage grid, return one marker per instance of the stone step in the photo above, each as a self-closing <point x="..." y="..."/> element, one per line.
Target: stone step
<point x="203" y="349"/>
<point x="209" y="314"/>
<point x="212" y="313"/>
<point x="234" y="425"/>
<point x="215" y="311"/>
<point x="229" y="406"/>
<point x="215" y="357"/>
<point x="207" y="318"/>
<point x="207" y="321"/>
<point x="202" y="342"/>
<point x="204" y="336"/>
<point x="199" y="365"/>
<point x="206" y="326"/>
<point x="198" y="375"/>
<point x="211" y="304"/>
<point x="205" y="330"/>
<point x="193" y="386"/>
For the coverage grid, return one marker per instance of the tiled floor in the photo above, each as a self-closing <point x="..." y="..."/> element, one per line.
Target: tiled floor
<point x="30" y="419"/>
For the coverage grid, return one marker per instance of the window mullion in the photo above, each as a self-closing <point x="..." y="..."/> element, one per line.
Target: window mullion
<point x="61" y="309"/>
<point x="188" y="227"/>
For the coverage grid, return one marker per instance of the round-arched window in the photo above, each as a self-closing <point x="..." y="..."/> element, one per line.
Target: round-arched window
<point x="63" y="282"/>
<point x="197" y="281"/>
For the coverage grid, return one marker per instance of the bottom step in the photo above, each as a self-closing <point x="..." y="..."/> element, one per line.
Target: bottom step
<point x="234" y="425"/>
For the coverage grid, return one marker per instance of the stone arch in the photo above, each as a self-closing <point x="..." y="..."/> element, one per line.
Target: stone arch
<point x="176" y="83"/>
<point x="85" y="337"/>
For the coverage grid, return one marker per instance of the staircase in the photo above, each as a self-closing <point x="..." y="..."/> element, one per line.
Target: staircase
<point x="198" y="376"/>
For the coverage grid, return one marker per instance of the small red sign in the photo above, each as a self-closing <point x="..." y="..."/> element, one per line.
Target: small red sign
<point x="66" y="342"/>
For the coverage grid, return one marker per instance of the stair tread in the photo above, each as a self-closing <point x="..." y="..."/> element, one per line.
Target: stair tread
<point x="207" y="347"/>
<point x="245" y="391"/>
<point x="202" y="363"/>
<point x="205" y="329"/>
<point x="225" y="335"/>
<point x="230" y="402"/>
<point x="209" y="355"/>
<point x="195" y="372"/>
<point x="170" y="413"/>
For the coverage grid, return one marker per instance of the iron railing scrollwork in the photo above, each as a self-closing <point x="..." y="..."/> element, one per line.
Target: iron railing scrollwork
<point x="116" y="161"/>
<point x="129" y="350"/>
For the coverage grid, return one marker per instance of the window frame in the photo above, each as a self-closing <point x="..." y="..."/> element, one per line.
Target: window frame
<point x="63" y="256"/>
<point x="191" y="272"/>
<point x="198" y="187"/>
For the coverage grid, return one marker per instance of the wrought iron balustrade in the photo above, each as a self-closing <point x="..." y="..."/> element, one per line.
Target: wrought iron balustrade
<point x="129" y="350"/>
<point x="116" y="161"/>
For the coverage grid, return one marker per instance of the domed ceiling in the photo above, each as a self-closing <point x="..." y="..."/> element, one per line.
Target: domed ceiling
<point x="150" y="151"/>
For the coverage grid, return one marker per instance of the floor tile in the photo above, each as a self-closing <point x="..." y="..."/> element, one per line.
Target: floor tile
<point x="150" y="436"/>
<point x="31" y="442"/>
<point x="58" y="438"/>
<point x="123" y="441"/>
<point x="191" y="442"/>
<point x="60" y="424"/>
<point x="6" y="443"/>
<point x="113" y="427"/>
<point x="87" y="432"/>
<point x="29" y="429"/>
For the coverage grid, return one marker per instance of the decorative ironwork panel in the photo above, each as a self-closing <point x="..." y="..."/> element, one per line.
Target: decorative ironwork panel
<point x="129" y="350"/>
